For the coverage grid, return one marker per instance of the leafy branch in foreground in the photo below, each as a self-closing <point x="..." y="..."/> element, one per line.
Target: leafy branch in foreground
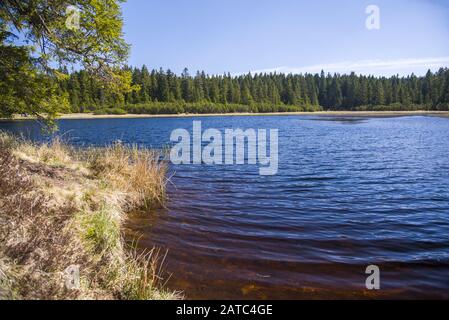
<point x="34" y="40"/>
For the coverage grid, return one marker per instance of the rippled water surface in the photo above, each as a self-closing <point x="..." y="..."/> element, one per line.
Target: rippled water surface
<point x="350" y="192"/>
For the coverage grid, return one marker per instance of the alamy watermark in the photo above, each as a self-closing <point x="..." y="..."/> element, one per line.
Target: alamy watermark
<point x="189" y="148"/>
<point x="373" y="280"/>
<point x="72" y="21"/>
<point x="373" y="20"/>
<point x="72" y="277"/>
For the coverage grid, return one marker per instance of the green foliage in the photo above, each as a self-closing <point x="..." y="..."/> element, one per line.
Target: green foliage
<point x="28" y="80"/>
<point x="163" y="92"/>
<point x="391" y="107"/>
<point x="25" y="90"/>
<point x="210" y="107"/>
<point x="100" y="231"/>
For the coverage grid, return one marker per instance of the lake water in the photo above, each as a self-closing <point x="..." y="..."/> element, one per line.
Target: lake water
<point x="349" y="192"/>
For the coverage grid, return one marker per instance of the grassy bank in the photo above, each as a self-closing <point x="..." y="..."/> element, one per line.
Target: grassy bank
<point x="61" y="208"/>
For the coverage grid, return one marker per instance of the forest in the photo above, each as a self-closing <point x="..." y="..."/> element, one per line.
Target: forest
<point x="164" y="92"/>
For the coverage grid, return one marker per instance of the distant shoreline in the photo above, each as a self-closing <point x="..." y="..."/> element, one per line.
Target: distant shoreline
<point x="81" y="116"/>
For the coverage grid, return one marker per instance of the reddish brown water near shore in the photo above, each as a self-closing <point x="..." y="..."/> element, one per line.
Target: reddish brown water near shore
<point x="206" y="273"/>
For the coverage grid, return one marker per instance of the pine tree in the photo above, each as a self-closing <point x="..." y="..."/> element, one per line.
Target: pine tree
<point x="322" y="88"/>
<point x="378" y="94"/>
<point x="163" y="93"/>
<point x="186" y="86"/>
<point x="335" y="97"/>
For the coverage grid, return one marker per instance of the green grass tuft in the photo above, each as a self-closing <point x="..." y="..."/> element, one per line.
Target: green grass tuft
<point x="100" y="231"/>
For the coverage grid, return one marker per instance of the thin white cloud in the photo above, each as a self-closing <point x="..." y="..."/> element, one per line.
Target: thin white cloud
<point x="376" y="67"/>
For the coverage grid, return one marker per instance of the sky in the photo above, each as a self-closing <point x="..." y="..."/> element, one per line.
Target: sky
<point x="290" y="36"/>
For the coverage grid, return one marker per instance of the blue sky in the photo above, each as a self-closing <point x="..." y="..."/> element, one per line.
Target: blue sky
<point x="288" y="35"/>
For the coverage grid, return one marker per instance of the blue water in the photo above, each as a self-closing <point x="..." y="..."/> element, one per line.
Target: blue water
<point x="349" y="192"/>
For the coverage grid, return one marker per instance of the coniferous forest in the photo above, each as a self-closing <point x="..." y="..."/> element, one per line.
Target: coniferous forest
<point x="164" y="92"/>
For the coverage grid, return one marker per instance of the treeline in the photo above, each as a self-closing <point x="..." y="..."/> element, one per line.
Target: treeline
<point x="165" y="92"/>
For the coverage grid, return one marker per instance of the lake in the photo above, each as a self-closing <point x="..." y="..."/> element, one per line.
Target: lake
<point x="349" y="192"/>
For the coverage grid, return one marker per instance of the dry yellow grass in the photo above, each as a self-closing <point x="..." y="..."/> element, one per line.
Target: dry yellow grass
<point x="61" y="207"/>
<point x="138" y="173"/>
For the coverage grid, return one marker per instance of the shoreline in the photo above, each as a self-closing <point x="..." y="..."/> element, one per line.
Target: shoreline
<point x="71" y="207"/>
<point x="85" y="116"/>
